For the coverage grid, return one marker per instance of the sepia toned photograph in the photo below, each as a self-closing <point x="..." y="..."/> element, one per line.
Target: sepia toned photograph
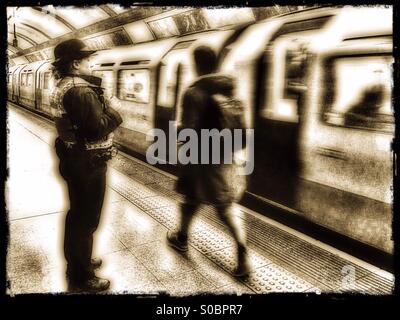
<point x="186" y="151"/>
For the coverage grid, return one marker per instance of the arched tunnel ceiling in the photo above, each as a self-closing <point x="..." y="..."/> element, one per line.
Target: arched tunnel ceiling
<point x="31" y="27"/>
<point x="34" y="31"/>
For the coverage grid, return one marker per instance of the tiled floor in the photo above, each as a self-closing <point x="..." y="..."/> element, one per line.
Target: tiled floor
<point x="131" y="235"/>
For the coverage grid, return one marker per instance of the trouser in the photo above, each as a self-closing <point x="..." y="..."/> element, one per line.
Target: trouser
<point x="224" y="211"/>
<point x="86" y="180"/>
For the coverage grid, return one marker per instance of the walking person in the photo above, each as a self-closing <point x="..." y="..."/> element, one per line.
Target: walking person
<point x="84" y="121"/>
<point x="207" y="183"/>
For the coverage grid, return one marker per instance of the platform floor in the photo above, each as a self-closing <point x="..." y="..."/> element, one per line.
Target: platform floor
<point x="141" y="205"/>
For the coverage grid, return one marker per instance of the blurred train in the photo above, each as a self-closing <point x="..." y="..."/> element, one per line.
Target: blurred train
<point x="317" y="85"/>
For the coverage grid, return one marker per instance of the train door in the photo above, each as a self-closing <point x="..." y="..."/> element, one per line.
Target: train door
<point x="16" y="84"/>
<point x="9" y="85"/>
<point x="39" y="90"/>
<point x="44" y="86"/>
<point x="14" y="80"/>
<point x="171" y="82"/>
<point x="347" y="145"/>
<point x="27" y="86"/>
<point x="279" y="121"/>
<point x="48" y="86"/>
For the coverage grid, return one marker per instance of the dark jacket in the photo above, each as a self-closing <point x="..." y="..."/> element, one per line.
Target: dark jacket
<point x="87" y="110"/>
<point x="208" y="183"/>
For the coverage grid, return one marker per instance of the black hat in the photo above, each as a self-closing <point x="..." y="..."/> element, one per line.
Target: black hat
<point x="69" y="50"/>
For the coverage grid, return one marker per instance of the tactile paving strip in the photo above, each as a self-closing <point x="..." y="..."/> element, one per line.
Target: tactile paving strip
<point x="122" y="164"/>
<point x="166" y="216"/>
<point x="226" y="258"/>
<point x="129" y="188"/>
<point x="311" y="261"/>
<point x="207" y="238"/>
<point x="151" y="203"/>
<point x="273" y="278"/>
<point x="167" y="188"/>
<point x="137" y="171"/>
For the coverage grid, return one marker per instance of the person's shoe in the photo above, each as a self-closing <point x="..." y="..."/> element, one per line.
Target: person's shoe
<point x="96" y="263"/>
<point x="92" y="285"/>
<point x="242" y="270"/>
<point x="173" y="241"/>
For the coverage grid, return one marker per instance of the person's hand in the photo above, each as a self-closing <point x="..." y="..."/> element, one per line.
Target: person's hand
<point x="114" y="103"/>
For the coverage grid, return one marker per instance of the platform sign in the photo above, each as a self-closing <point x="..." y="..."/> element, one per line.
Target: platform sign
<point x="37" y="56"/>
<point x="191" y="21"/>
<point x="267" y="12"/>
<point x="163" y="28"/>
<point x="48" y="53"/>
<point x="30" y="58"/>
<point x="109" y="40"/>
<point x="223" y="17"/>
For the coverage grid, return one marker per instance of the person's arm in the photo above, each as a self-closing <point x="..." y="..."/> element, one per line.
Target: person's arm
<point x="86" y="111"/>
<point x="190" y="110"/>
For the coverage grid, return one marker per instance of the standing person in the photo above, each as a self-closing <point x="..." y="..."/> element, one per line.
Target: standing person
<point x="85" y="121"/>
<point x="207" y="183"/>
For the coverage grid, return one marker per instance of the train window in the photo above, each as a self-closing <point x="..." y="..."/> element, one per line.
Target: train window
<point x="134" y="85"/>
<point x="107" y="79"/>
<point x="187" y="75"/>
<point x="29" y="79"/>
<point x="168" y="73"/>
<point x="289" y="71"/>
<point x="182" y="45"/>
<point x="186" y="78"/>
<point x="168" y="77"/>
<point x="359" y="92"/>
<point x="23" y="79"/>
<point x="46" y="80"/>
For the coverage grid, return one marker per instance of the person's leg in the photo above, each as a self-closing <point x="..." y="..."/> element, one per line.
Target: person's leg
<point x="92" y="183"/>
<point x="178" y="240"/>
<point x="91" y="202"/>
<point x="226" y="215"/>
<point x="188" y="209"/>
<point x="67" y="172"/>
<point x="71" y="219"/>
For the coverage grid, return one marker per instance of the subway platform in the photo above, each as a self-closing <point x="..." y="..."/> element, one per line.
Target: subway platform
<point x="140" y="206"/>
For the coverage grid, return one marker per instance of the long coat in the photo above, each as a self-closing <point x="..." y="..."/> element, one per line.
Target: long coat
<point x="215" y="184"/>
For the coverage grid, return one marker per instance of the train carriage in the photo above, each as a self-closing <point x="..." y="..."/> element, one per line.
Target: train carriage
<point x="348" y="129"/>
<point x="307" y="157"/>
<point x="28" y="83"/>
